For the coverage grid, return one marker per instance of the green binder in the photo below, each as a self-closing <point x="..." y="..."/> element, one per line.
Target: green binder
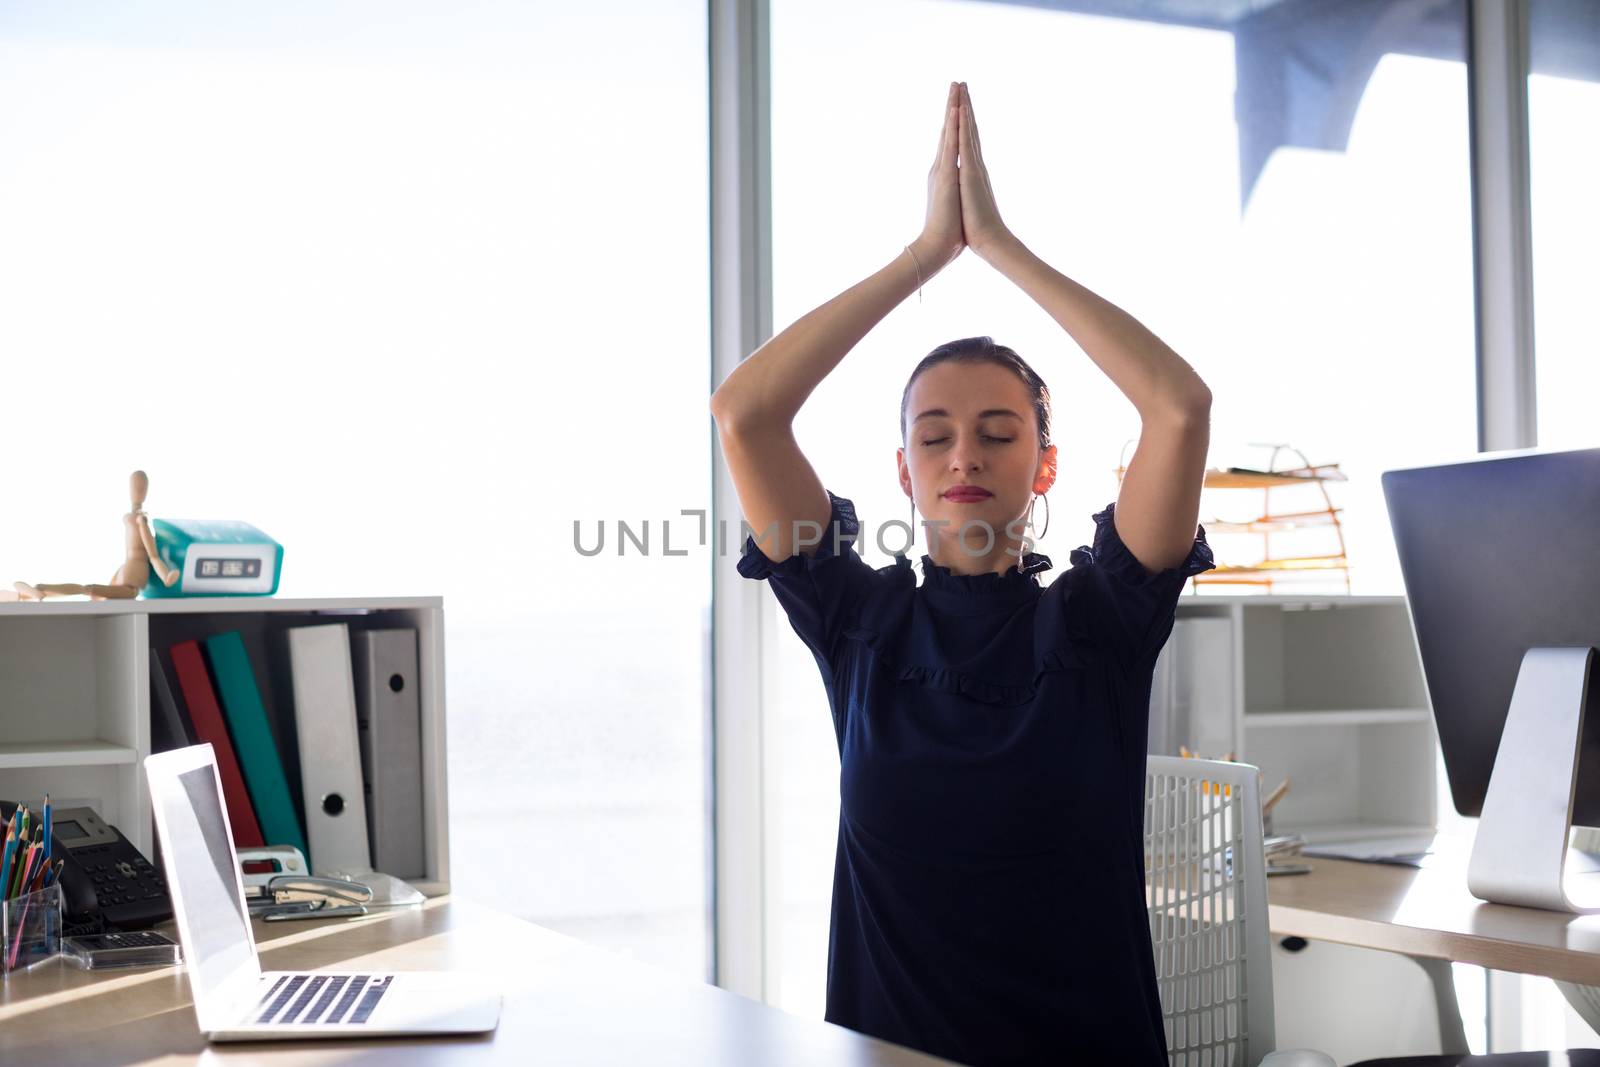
<point x="252" y="741"/>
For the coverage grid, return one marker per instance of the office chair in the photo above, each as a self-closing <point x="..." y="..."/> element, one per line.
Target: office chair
<point x="1206" y="887"/>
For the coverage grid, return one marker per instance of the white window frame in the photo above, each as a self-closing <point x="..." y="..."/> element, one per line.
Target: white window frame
<point x="1502" y="240"/>
<point x="741" y="320"/>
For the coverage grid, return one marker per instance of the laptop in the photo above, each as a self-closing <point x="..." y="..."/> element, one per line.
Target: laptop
<point x="234" y="999"/>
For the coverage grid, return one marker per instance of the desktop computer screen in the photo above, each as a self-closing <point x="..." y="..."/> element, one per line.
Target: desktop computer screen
<point x="1499" y="554"/>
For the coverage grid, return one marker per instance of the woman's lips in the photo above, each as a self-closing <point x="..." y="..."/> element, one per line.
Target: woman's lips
<point x="967" y="494"/>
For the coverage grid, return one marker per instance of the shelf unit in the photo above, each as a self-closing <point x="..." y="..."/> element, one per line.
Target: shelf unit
<point x="75" y="711"/>
<point x="1274" y="568"/>
<point x="1325" y="690"/>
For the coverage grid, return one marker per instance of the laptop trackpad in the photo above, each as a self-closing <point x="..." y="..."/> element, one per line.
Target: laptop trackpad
<point x="435" y="1003"/>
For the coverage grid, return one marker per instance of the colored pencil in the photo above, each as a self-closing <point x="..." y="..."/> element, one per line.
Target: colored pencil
<point x="17" y="863"/>
<point x="38" y="873"/>
<point x="19" y="868"/>
<point x="17" y="936"/>
<point x="14" y="883"/>
<point x="47" y="827"/>
<point x="27" y="871"/>
<point x="5" y="860"/>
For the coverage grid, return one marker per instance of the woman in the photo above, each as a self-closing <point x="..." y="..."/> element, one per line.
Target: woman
<point x="988" y="901"/>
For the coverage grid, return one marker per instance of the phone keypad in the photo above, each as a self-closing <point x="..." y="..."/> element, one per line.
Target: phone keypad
<point x="129" y="889"/>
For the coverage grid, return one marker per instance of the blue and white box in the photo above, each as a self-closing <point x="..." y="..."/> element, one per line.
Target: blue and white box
<point x="216" y="557"/>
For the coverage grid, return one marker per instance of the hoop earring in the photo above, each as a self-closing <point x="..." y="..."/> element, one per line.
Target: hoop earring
<point x="1036" y="498"/>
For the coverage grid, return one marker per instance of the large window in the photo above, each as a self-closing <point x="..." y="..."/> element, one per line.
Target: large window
<point x="1564" y="177"/>
<point x="1564" y="172"/>
<point x="387" y="280"/>
<point x="1283" y="199"/>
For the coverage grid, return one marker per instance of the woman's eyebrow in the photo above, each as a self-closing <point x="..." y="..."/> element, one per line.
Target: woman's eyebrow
<point x="984" y="414"/>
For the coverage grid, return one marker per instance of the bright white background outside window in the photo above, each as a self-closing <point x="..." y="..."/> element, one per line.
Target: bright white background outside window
<point x="1336" y="315"/>
<point x="411" y="287"/>
<point x="1564" y="173"/>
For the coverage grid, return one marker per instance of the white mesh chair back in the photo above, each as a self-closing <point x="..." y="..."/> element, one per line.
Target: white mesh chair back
<point x="1206" y="884"/>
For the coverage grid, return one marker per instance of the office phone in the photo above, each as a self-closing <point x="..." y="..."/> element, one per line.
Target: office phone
<point x="105" y="883"/>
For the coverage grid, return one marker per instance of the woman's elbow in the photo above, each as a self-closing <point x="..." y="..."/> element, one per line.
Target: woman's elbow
<point x="1190" y="407"/>
<point x="724" y="410"/>
<point x="1193" y="404"/>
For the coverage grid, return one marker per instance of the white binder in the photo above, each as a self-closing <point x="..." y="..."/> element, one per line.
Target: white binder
<point x="330" y="754"/>
<point x="389" y="711"/>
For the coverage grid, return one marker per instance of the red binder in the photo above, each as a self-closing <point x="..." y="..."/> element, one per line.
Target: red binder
<point x="209" y="726"/>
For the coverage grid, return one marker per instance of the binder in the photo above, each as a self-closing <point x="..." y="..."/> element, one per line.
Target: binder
<point x="389" y="716"/>
<point x="330" y="755"/>
<point x="257" y="751"/>
<point x="169" y="729"/>
<point x="195" y="685"/>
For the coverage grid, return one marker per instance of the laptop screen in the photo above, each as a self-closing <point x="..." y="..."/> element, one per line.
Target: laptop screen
<point x="207" y="893"/>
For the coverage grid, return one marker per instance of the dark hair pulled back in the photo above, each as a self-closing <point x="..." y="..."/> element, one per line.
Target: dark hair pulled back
<point x="984" y="350"/>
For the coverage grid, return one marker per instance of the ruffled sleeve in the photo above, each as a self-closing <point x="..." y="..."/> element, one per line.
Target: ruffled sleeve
<point x="821" y="593"/>
<point x="1131" y="609"/>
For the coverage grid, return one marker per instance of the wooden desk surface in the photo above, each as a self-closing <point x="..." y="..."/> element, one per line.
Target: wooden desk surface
<point x="565" y="1002"/>
<point x="1429" y="912"/>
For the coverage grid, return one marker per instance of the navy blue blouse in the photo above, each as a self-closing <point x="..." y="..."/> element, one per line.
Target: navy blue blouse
<point x="988" y="886"/>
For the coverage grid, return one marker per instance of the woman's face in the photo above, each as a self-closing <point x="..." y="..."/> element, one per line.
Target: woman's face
<point x="973" y="424"/>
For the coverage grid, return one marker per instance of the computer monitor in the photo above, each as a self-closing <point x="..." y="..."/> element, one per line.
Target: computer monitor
<point x="1500" y="554"/>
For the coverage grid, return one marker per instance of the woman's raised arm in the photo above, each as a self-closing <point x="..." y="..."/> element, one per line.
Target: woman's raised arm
<point x="1158" y="506"/>
<point x="756" y="404"/>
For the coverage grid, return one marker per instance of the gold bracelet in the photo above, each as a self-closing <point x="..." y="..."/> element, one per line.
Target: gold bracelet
<point x="913" y="256"/>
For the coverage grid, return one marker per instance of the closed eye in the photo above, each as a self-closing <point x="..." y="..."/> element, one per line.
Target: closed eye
<point x="986" y="437"/>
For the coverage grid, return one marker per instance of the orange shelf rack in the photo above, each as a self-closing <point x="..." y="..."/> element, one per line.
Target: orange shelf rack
<point x="1271" y="568"/>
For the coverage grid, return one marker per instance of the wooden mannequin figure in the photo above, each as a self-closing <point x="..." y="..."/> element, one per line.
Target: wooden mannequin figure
<point x="131" y="577"/>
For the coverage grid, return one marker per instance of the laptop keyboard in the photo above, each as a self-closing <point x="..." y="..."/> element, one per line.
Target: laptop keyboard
<point x="303" y="999"/>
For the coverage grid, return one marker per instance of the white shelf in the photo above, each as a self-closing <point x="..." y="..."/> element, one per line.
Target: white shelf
<point x="1337" y="717"/>
<point x="1344" y="832"/>
<point x="1326" y="691"/>
<point x="75" y="675"/>
<point x="64" y="754"/>
<point x="1290" y="601"/>
<point x="213" y="605"/>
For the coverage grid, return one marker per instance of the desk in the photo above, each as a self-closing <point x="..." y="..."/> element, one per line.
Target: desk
<point x="566" y="1002"/>
<point x="1429" y="913"/>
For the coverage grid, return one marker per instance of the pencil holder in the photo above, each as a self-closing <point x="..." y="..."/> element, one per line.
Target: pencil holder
<point x="30" y="929"/>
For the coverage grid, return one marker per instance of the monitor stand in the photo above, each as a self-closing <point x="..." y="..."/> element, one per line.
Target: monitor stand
<point x="1520" y="853"/>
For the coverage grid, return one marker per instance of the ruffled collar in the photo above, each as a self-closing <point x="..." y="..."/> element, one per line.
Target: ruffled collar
<point x="1017" y="582"/>
<point x="907" y="630"/>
